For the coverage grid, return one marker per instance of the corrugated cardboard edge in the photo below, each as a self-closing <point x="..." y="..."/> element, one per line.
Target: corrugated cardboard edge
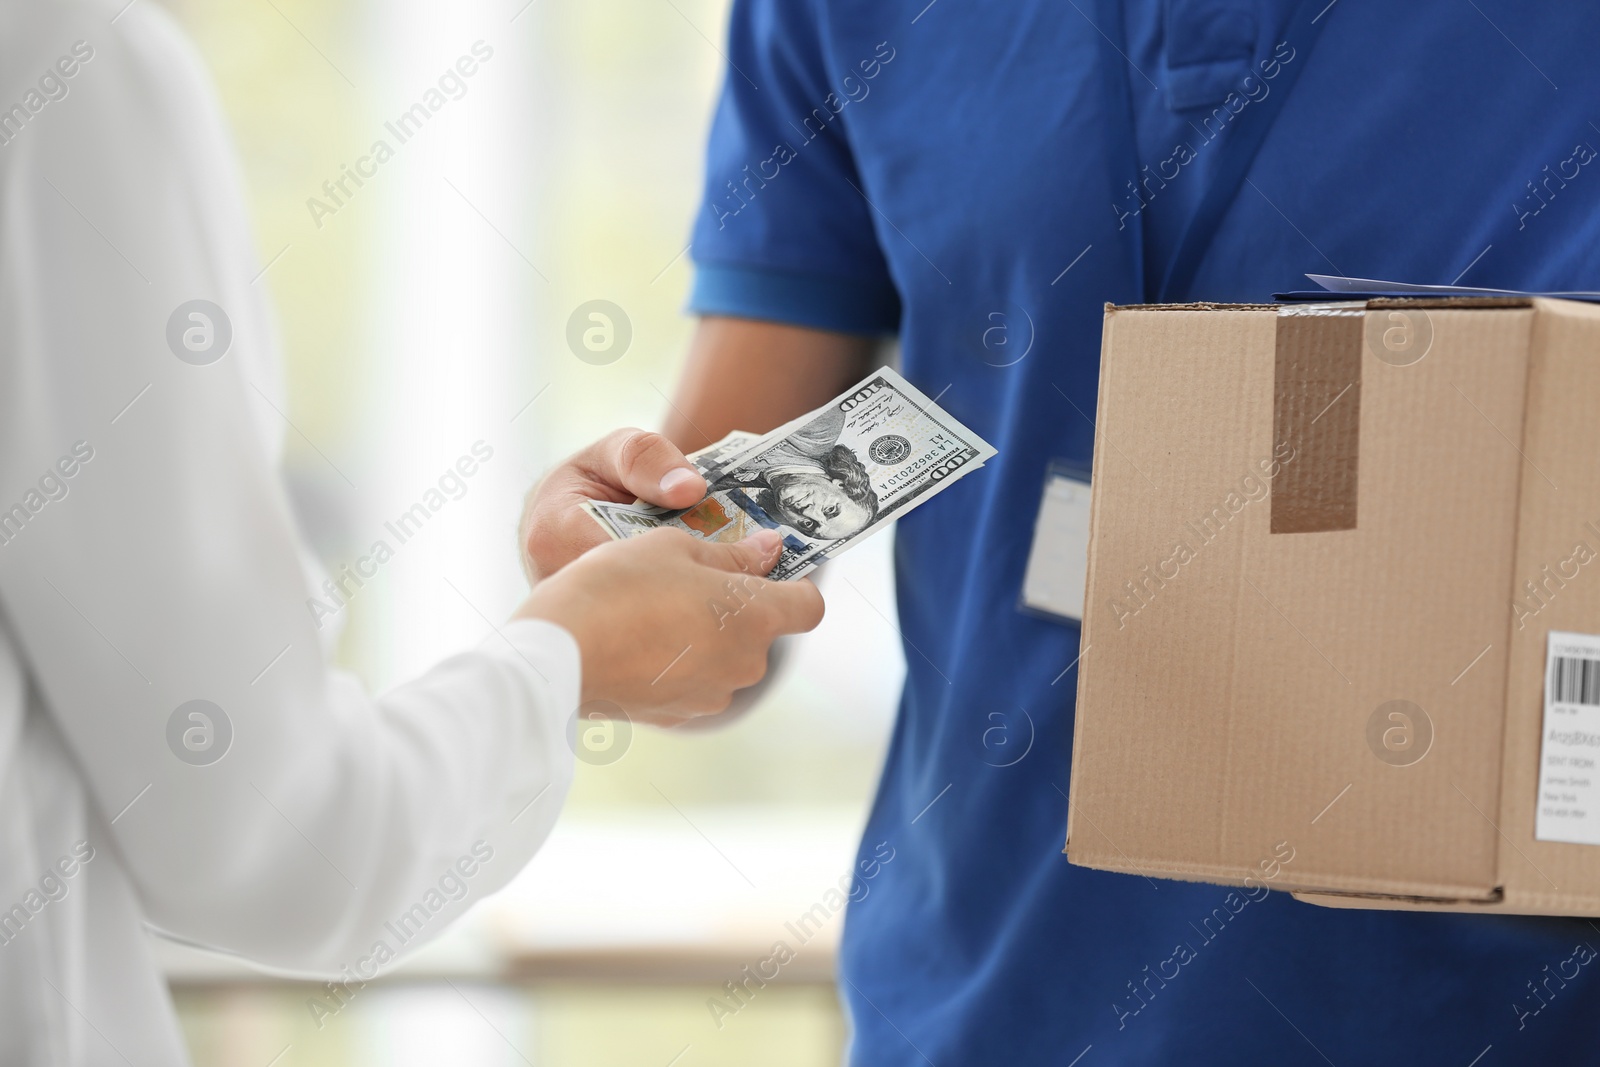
<point x="1201" y="305"/>
<point x="1447" y="302"/>
<point x="1393" y="902"/>
<point x="1502" y="904"/>
<point x="1345" y="887"/>
<point x="1532" y="368"/>
<point x="1085" y="638"/>
<point x="1368" y="303"/>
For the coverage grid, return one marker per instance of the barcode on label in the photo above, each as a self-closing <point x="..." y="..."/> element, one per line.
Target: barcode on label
<point x="1574" y="680"/>
<point x="1567" y="804"/>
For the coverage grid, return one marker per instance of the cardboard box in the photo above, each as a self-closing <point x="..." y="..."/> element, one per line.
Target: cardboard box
<point x="1328" y="544"/>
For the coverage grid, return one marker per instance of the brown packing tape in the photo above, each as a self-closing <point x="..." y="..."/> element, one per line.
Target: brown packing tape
<point x="1316" y="409"/>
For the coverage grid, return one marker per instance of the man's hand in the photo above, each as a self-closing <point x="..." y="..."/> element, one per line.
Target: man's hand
<point x="669" y="626"/>
<point x="620" y="467"/>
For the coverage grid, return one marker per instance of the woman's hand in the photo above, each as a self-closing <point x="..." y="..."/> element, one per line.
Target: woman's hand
<point x="620" y="467"/>
<point x="669" y="626"/>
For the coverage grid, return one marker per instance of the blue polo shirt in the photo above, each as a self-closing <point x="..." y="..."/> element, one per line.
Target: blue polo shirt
<point x="979" y="180"/>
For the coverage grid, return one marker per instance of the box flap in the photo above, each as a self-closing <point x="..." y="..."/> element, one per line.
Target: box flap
<point x="1552" y="588"/>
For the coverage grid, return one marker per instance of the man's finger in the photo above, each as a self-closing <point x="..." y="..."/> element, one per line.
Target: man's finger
<point x="649" y="466"/>
<point x="756" y="554"/>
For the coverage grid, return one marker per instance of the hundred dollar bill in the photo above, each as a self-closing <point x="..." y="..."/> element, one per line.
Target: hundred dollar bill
<point x="824" y="481"/>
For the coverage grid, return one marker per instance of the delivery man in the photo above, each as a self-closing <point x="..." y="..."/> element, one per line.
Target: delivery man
<point x="978" y="180"/>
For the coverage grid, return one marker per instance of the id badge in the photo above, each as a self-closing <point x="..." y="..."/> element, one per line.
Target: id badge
<point x="1058" y="562"/>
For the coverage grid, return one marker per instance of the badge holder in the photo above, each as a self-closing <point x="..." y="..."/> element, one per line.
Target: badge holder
<point x="1058" y="560"/>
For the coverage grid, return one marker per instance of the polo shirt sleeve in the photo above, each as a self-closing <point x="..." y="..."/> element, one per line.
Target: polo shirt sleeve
<point x="785" y="232"/>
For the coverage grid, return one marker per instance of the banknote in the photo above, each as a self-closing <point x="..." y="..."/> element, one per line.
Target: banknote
<point x="824" y="481"/>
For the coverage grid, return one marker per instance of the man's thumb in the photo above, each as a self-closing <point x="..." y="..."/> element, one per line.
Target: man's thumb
<point x="651" y="467"/>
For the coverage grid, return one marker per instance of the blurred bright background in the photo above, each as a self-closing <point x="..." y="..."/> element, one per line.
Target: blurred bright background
<point x="427" y="312"/>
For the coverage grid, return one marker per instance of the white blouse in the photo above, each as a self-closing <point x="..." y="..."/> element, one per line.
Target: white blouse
<point x="175" y="753"/>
